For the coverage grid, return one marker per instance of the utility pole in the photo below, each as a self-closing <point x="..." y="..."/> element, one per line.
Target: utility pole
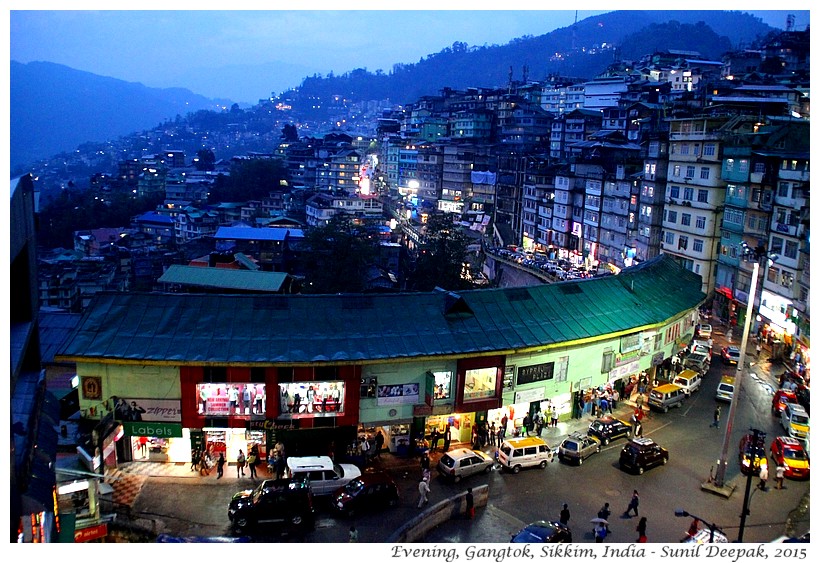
<point x="754" y="465"/>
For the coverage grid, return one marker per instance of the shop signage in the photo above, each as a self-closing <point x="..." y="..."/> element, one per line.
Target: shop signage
<point x="530" y="395"/>
<point x="538" y="372"/>
<point x="623" y="371"/>
<point x="403" y="393"/>
<point x="91" y="533"/>
<point x="630" y="343"/>
<point x="657" y="359"/>
<point x="153" y="429"/>
<point x="92" y="387"/>
<point x="621" y="359"/>
<point x="269" y="424"/>
<point x="148" y="410"/>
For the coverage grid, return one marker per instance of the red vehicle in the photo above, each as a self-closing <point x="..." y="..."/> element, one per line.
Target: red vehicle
<point x="781" y="397"/>
<point x="789" y="453"/>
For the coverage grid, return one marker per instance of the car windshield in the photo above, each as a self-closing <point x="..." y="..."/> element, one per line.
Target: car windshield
<point x="354" y="486"/>
<point x="794" y="453"/>
<point x="726" y="387"/>
<point x="533" y="534"/>
<point x="800" y="419"/>
<point x="570" y="445"/>
<point x="448" y="461"/>
<point x="338" y="469"/>
<point x="597" y="425"/>
<point x="506" y="448"/>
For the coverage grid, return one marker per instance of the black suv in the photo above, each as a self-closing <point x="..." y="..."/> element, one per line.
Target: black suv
<point x="608" y="428"/>
<point x="287" y="502"/>
<point x="642" y="453"/>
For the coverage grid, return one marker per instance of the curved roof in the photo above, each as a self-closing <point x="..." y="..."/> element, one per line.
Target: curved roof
<point x="363" y="328"/>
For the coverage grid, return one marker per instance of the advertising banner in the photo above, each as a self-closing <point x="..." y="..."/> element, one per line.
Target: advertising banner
<point x="150" y="410"/>
<point x="401" y="394"/>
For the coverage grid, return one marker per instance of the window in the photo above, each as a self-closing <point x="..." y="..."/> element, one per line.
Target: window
<point x="674" y="192"/>
<point x="683" y="243"/>
<point x="672" y="216"/>
<point x="669" y="238"/>
<point x="700" y="222"/>
<point x="480" y="383"/>
<point x="729" y="164"/>
<point x="697" y="245"/>
<point x="777" y="245"/>
<point x="703" y="196"/>
<point x="733" y="216"/>
<point x="561" y="368"/>
<point x="790" y="250"/>
<point x="368" y="387"/>
<point x="783" y="189"/>
<point x="686" y="219"/>
<point x="704" y="173"/>
<point x="676" y="170"/>
<point x="688" y="194"/>
<point x="690" y="171"/>
<point x="684" y="148"/>
<point x="442" y="388"/>
<point x="744" y="165"/>
<point x="709" y="149"/>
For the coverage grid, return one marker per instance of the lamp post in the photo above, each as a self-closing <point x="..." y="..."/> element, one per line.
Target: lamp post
<point x="720" y="474"/>
<point x="680" y="513"/>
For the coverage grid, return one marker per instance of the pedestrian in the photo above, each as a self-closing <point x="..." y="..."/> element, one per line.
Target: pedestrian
<point x="604" y="514"/>
<point x="780" y="473"/>
<point x="379" y="439"/>
<point x="633" y="504"/>
<point x="600" y="532"/>
<point x="554" y="414"/>
<point x="220" y="465"/>
<point x="447" y="437"/>
<point x="240" y="464"/>
<point x="526" y="424"/>
<point x="194" y="459"/>
<point x="434" y="438"/>
<point x="564" y="516"/>
<point x="639" y="401"/>
<point x="641" y="529"/>
<point x="493" y="434"/>
<point x="757" y="349"/>
<point x="716" y="418"/>
<point x="143" y="446"/>
<point x="425" y="462"/>
<point x="204" y="464"/>
<point x="604" y="405"/>
<point x="764" y="476"/>
<point x="252" y="459"/>
<point x="424" y="490"/>
<point x="502" y="429"/>
<point x="470" y="505"/>
<point x="353" y="534"/>
<point x="365" y="447"/>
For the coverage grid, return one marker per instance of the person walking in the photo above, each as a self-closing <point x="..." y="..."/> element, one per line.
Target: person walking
<point x="194" y="459"/>
<point x="554" y="414"/>
<point x="633" y="504"/>
<point x="502" y="429"/>
<point x="252" y="459"/>
<point x="526" y="424"/>
<point x="447" y="438"/>
<point x="600" y="532"/>
<point x="641" y="529"/>
<point x="220" y="465"/>
<point x="764" y="476"/>
<point x="379" y="440"/>
<point x="353" y="534"/>
<point x="240" y="464"/>
<point x="604" y="514"/>
<point x="564" y="516"/>
<point x="780" y="473"/>
<point x="493" y="434"/>
<point x="470" y="503"/>
<point x="716" y="418"/>
<point x="434" y="438"/>
<point x="424" y="490"/>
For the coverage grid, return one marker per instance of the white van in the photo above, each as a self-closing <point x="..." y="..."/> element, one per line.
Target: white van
<point x="516" y="453"/>
<point x="689" y="380"/>
<point x="323" y="475"/>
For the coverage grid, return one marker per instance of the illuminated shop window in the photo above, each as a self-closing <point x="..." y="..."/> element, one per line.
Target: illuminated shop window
<point x="480" y="383"/>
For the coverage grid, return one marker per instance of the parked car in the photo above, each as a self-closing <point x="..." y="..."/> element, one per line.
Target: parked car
<point x="730" y="355"/>
<point x="726" y="389"/>
<point x="576" y="448"/>
<point x="607" y="428"/>
<point x="751" y="455"/>
<point x="702" y="345"/>
<point x="791" y="454"/>
<point x="372" y="490"/>
<point x="703" y="330"/>
<point x="689" y="380"/>
<point x="514" y="454"/>
<point x="698" y="361"/>
<point x="322" y="474"/>
<point x="543" y="531"/>
<point x="463" y="462"/>
<point x="280" y="502"/>
<point x="640" y="454"/>
<point x="795" y="421"/>
<point x="780" y="399"/>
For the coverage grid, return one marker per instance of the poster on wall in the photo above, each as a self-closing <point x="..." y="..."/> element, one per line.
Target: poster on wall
<point x="231" y="399"/>
<point x="149" y="410"/>
<point x="401" y="394"/>
<point x="305" y="399"/>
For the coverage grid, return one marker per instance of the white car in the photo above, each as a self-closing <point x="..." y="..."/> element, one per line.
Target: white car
<point x="703" y="331"/>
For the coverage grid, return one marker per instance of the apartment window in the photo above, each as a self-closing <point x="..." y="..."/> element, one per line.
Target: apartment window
<point x="688" y="194"/>
<point x="744" y="165"/>
<point x="790" y="250"/>
<point x="690" y="171"/>
<point x="733" y="216"/>
<point x="686" y="219"/>
<point x="700" y="222"/>
<point x="674" y="192"/>
<point x="671" y="216"/>
<point x="704" y="173"/>
<point x="783" y="189"/>
<point x="683" y="242"/>
<point x="703" y="196"/>
<point x="676" y="170"/>
<point x="759" y="168"/>
<point x="777" y="245"/>
<point x="669" y="238"/>
<point x="709" y="149"/>
<point x="684" y="148"/>
<point x="729" y="164"/>
<point x="697" y="245"/>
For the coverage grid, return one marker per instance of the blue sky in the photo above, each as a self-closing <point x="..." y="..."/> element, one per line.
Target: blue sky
<point x="165" y="48"/>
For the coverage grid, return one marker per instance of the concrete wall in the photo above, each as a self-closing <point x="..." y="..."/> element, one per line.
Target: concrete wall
<point x="454" y="507"/>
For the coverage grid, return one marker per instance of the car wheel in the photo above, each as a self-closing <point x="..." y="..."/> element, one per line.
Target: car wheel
<point x="488" y="469"/>
<point x="640" y="471"/>
<point x="606" y="441"/>
<point x="543" y="464"/>
<point x="297" y="520"/>
<point x="241" y="524"/>
<point x="664" y="460"/>
<point x="516" y="469"/>
<point x="580" y="460"/>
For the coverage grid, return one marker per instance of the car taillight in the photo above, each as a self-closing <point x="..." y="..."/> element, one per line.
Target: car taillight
<point x="452" y="471"/>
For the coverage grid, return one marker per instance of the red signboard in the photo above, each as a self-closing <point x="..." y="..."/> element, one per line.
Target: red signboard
<point x="92" y="533"/>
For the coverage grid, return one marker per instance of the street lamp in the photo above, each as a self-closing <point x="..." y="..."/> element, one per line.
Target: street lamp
<point x="720" y="474"/>
<point x="680" y="513"/>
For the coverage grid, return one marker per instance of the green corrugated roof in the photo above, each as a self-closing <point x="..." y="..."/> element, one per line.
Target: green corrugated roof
<point x="224" y="278"/>
<point x="299" y="329"/>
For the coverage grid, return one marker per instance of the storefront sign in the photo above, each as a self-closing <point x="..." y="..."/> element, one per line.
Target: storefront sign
<point x="623" y="371"/>
<point x="657" y="359"/>
<point x="153" y="429"/>
<point x="530" y="395"/>
<point x="401" y="394"/>
<point x="91" y="533"/>
<point x="150" y="410"/>
<point x="538" y="372"/>
<point x="630" y="343"/>
<point x="92" y="387"/>
<point x="269" y="424"/>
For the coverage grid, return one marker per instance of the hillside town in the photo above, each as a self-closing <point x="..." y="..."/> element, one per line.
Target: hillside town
<point x="687" y="177"/>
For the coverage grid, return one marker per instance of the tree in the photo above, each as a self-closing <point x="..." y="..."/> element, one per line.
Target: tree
<point x="205" y="159"/>
<point x="337" y="257"/>
<point x="439" y="262"/>
<point x="251" y="179"/>
<point x="290" y="133"/>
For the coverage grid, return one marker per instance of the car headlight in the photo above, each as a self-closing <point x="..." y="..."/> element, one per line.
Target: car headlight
<point x="340" y="505"/>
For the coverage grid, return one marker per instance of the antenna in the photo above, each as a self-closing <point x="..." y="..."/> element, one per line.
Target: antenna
<point x="790" y="22"/>
<point x="574" y="25"/>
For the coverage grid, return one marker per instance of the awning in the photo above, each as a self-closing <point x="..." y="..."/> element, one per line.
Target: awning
<point x="724" y="291"/>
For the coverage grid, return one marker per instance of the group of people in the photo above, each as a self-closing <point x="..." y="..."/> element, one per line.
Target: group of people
<point x="203" y="461"/>
<point x="598" y="401"/>
<point x="601" y="529"/>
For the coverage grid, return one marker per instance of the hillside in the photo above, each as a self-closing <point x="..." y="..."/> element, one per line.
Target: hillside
<point x="55" y="108"/>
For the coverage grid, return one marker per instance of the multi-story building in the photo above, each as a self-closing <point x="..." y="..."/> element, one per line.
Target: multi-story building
<point x="429" y="170"/>
<point x="322" y="207"/>
<point x="651" y="198"/>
